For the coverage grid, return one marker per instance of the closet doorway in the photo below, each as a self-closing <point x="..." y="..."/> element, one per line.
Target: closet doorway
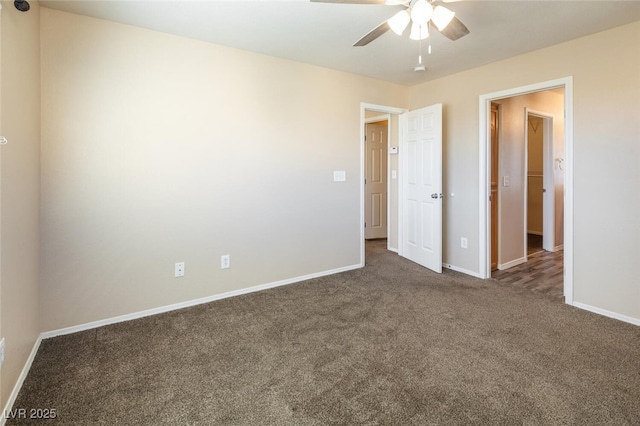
<point x="526" y="145"/>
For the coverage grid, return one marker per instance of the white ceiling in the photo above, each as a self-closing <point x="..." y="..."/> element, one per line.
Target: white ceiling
<point x="323" y="34"/>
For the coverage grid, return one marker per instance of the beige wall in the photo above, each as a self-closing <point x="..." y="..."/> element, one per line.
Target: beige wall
<point x="512" y="162"/>
<point x="19" y="189"/>
<point x="606" y="80"/>
<point x="158" y="149"/>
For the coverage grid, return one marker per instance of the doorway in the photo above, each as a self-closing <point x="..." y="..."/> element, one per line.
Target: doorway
<point x="512" y="180"/>
<point x="534" y="183"/>
<point x="376" y="113"/>
<point x="375" y="177"/>
<point x="545" y="178"/>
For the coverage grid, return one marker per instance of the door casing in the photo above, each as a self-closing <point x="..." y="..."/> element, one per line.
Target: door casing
<point x="382" y="109"/>
<point x="485" y="178"/>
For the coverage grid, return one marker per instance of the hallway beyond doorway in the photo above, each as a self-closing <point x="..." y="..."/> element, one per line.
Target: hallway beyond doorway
<point x="542" y="273"/>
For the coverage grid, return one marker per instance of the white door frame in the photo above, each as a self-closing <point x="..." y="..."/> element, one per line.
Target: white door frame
<point x="383" y="109"/>
<point x="485" y="177"/>
<point x="548" y="181"/>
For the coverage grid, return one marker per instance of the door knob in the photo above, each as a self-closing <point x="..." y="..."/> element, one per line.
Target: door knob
<point x="436" y="195"/>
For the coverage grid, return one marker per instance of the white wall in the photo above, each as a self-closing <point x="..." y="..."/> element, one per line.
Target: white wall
<point x="19" y="189"/>
<point x="158" y="149"/>
<point x="606" y="80"/>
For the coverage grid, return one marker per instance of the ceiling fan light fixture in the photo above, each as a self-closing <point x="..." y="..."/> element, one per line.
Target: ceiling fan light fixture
<point x="419" y="32"/>
<point x="421" y="12"/>
<point x="441" y="17"/>
<point x="398" y="22"/>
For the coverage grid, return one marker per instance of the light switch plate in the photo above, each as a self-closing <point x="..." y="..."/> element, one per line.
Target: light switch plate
<point x="339" y="176"/>
<point x="1" y="352"/>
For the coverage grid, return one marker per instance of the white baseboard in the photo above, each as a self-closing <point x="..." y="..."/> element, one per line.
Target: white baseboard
<point x="464" y="271"/>
<point x="516" y="262"/>
<point x="189" y="303"/>
<point x="614" y="315"/>
<point x="19" y="383"/>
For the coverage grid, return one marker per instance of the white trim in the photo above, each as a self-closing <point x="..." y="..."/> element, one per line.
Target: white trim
<point x="614" y="315"/>
<point x="388" y="200"/>
<point x="20" y="381"/>
<point x="511" y="264"/>
<point x="484" y="177"/>
<point x="568" y="190"/>
<point x="377" y="118"/>
<point x="464" y="271"/>
<point x="401" y="146"/>
<point x="189" y="303"/>
<point x="382" y="108"/>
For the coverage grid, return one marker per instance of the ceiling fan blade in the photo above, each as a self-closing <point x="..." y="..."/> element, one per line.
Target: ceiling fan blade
<point x="455" y="30"/>
<point x="373" y="34"/>
<point x="349" y="1"/>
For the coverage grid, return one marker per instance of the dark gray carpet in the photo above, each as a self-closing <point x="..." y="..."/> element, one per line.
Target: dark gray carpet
<point x="389" y="344"/>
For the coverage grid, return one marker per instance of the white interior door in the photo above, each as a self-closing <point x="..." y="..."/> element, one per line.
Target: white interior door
<point x="421" y="187"/>
<point x="375" y="205"/>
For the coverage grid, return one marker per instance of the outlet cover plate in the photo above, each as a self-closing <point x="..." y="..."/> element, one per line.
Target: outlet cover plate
<point x="225" y="261"/>
<point x="179" y="270"/>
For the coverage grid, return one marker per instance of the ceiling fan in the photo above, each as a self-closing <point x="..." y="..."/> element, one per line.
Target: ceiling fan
<point x="420" y="13"/>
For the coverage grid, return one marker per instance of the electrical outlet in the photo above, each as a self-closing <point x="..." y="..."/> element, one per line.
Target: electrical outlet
<point x="463" y="242"/>
<point x="1" y="352"/>
<point x="179" y="271"/>
<point x="506" y="181"/>
<point x="225" y="261"/>
<point x="339" y="176"/>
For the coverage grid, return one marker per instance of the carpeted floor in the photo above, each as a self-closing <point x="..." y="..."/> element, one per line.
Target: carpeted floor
<point x="389" y="344"/>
